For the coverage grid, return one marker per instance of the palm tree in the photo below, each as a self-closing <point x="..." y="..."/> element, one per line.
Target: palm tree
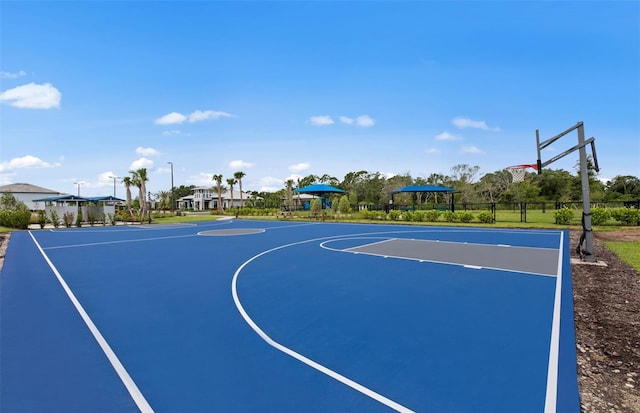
<point x="140" y="179"/>
<point x="289" y="184"/>
<point x="219" y="189"/>
<point x="238" y="176"/>
<point x="231" y="182"/>
<point x="127" y="184"/>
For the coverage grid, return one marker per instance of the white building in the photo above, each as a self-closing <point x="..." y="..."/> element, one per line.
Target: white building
<point x="206" y="198"/>
<point x="27" y="193"/>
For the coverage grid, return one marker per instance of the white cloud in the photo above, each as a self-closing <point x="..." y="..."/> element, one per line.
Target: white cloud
<point x="348" y="121"/>
<point x="240" y="164"/>
<point x="27" y="161"/>
<point x="141" y="163"/>
<point x="446" y="136"/>
<point x="146" y="151"/>
<point x="299" y="167"/>
<point x="202" y="179"/>
<point x="171" y="119"/>
<point x="294" y="177"/>
<point x="270" y="184"/>
<point x="472" y="149"/>
<point x="176" y="118"/>
<point x="321" y="120"/>
<point x="462" y="123"/>
<point x="431" y="150"/>
<point x="207" y="114"/>
<point x="32" y="96"/>
<point x="365" y="121"/>
<point x="10" y="75"/>
<point x="172" y="132"/>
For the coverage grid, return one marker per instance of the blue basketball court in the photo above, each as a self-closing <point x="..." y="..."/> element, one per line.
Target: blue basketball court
<point x="248" y="316"/>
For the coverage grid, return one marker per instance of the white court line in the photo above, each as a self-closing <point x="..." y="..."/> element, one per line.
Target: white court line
<point x="554" y="347"/>
<point x="333" y="374"/>
<point x="422" y="260"/>
<point x="92" y="244"/>
<point x="128" y="382"/>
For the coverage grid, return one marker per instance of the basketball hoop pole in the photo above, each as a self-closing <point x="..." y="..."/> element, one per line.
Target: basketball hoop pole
<point x="584" y="175"/>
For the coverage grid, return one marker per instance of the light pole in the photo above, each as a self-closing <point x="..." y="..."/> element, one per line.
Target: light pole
<point x="114" y="184"/>
<point x="172" y="197"/>
<point x="78" y="185"/>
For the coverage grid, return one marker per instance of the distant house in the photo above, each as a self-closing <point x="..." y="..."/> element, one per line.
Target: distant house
<point x="206" y="198"/>
<point x="28" y="193"/>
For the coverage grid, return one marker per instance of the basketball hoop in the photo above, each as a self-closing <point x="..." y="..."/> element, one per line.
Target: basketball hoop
<point x="518" y="171"/>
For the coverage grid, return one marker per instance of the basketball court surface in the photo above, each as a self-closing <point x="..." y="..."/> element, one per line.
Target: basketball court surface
<point x="271" y="316"/>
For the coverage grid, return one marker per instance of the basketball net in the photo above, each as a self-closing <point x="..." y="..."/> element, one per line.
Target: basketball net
<point x="518" y="171"/>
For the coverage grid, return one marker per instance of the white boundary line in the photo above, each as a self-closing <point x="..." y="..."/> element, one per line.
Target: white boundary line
<point x="128" y="382"/>
<point x="554" y="347"/>
<point x="337" y="376"/>
<point x="124" y="241"/>
<point x="475" y="267"/>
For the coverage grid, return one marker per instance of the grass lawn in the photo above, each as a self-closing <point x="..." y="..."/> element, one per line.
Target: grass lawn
<point x="628" y="251"/>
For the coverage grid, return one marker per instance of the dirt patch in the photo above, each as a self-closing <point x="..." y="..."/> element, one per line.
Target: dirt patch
<point x="4" y="242"/>
<point x="607" y="323"/>
<point x="631" y="234"/>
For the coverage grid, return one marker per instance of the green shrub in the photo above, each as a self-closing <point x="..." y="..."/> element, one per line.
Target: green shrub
<point x="315" y="206"/>
<point x="394" y="215"/>
<point x="599" y="216"/>
<point x="626" y="216"/>
<point x="465" y="216"/>
<point x="79" y="218"/>
<point x="42" y="218"/>
<point x="451" y="216"/>
<point x="54" y="219"/>
<point x="68" y="219"/>
<point x="432" y="215"/>
<point x="13" y="213"/>
<point x="563" y="216"/>
<point x="344" y="207"/>
<point x="407" y="216"/>
<point x="485" y="217"/>
<point x="418" y="216"/>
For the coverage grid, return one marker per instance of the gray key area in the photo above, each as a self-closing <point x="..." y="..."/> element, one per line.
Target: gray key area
<point x="500" y="257"/>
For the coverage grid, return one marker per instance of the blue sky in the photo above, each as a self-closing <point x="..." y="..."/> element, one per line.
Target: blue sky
<point x="90" y="90"/>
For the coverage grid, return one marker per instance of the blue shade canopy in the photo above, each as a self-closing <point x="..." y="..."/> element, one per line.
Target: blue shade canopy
<point x="61" y="198"/>
<point x="424" y="188"/>
<point x="318" y="189"/>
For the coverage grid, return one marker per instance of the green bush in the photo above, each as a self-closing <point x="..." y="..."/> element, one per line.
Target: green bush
<point x="407" y="216"/>
<point x="465" y="216"/>
<point x="344" y="207"/>
<point x="42" y="218"/>
<point x="451" y="216"/>
<point x="68" y="219"/>
<point x="432" y="215"/>
<point x="79" y="218"/>
<point x="54" y="218"/>
<point x="394" y="215"/>
<point x="315" y="206"/>
<point x="485" y="217"/>
<point x="418" y="216"/>
<point x="563" y="216"/>
<point x="599" y="216"/>
<point x="626" y="216"/>
<point x="13" y="213"/>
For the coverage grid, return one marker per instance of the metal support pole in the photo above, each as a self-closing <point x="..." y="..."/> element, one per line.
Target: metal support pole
<point x="586" y="197"/>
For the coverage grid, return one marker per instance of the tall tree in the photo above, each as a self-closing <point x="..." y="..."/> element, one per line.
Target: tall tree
<point x="140" y="179"/>
<point x="238" y="176"/>
<point x="289" y="185"/>
<point x="218" y="179"/>
<point x="127" y="182"/>
<point x="231" y="182"/>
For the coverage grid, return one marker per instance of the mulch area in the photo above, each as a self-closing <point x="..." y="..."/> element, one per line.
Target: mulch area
<point x="607" y="322"/>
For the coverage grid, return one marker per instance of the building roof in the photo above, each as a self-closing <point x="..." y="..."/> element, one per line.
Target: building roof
<point x="22" y="188"/>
